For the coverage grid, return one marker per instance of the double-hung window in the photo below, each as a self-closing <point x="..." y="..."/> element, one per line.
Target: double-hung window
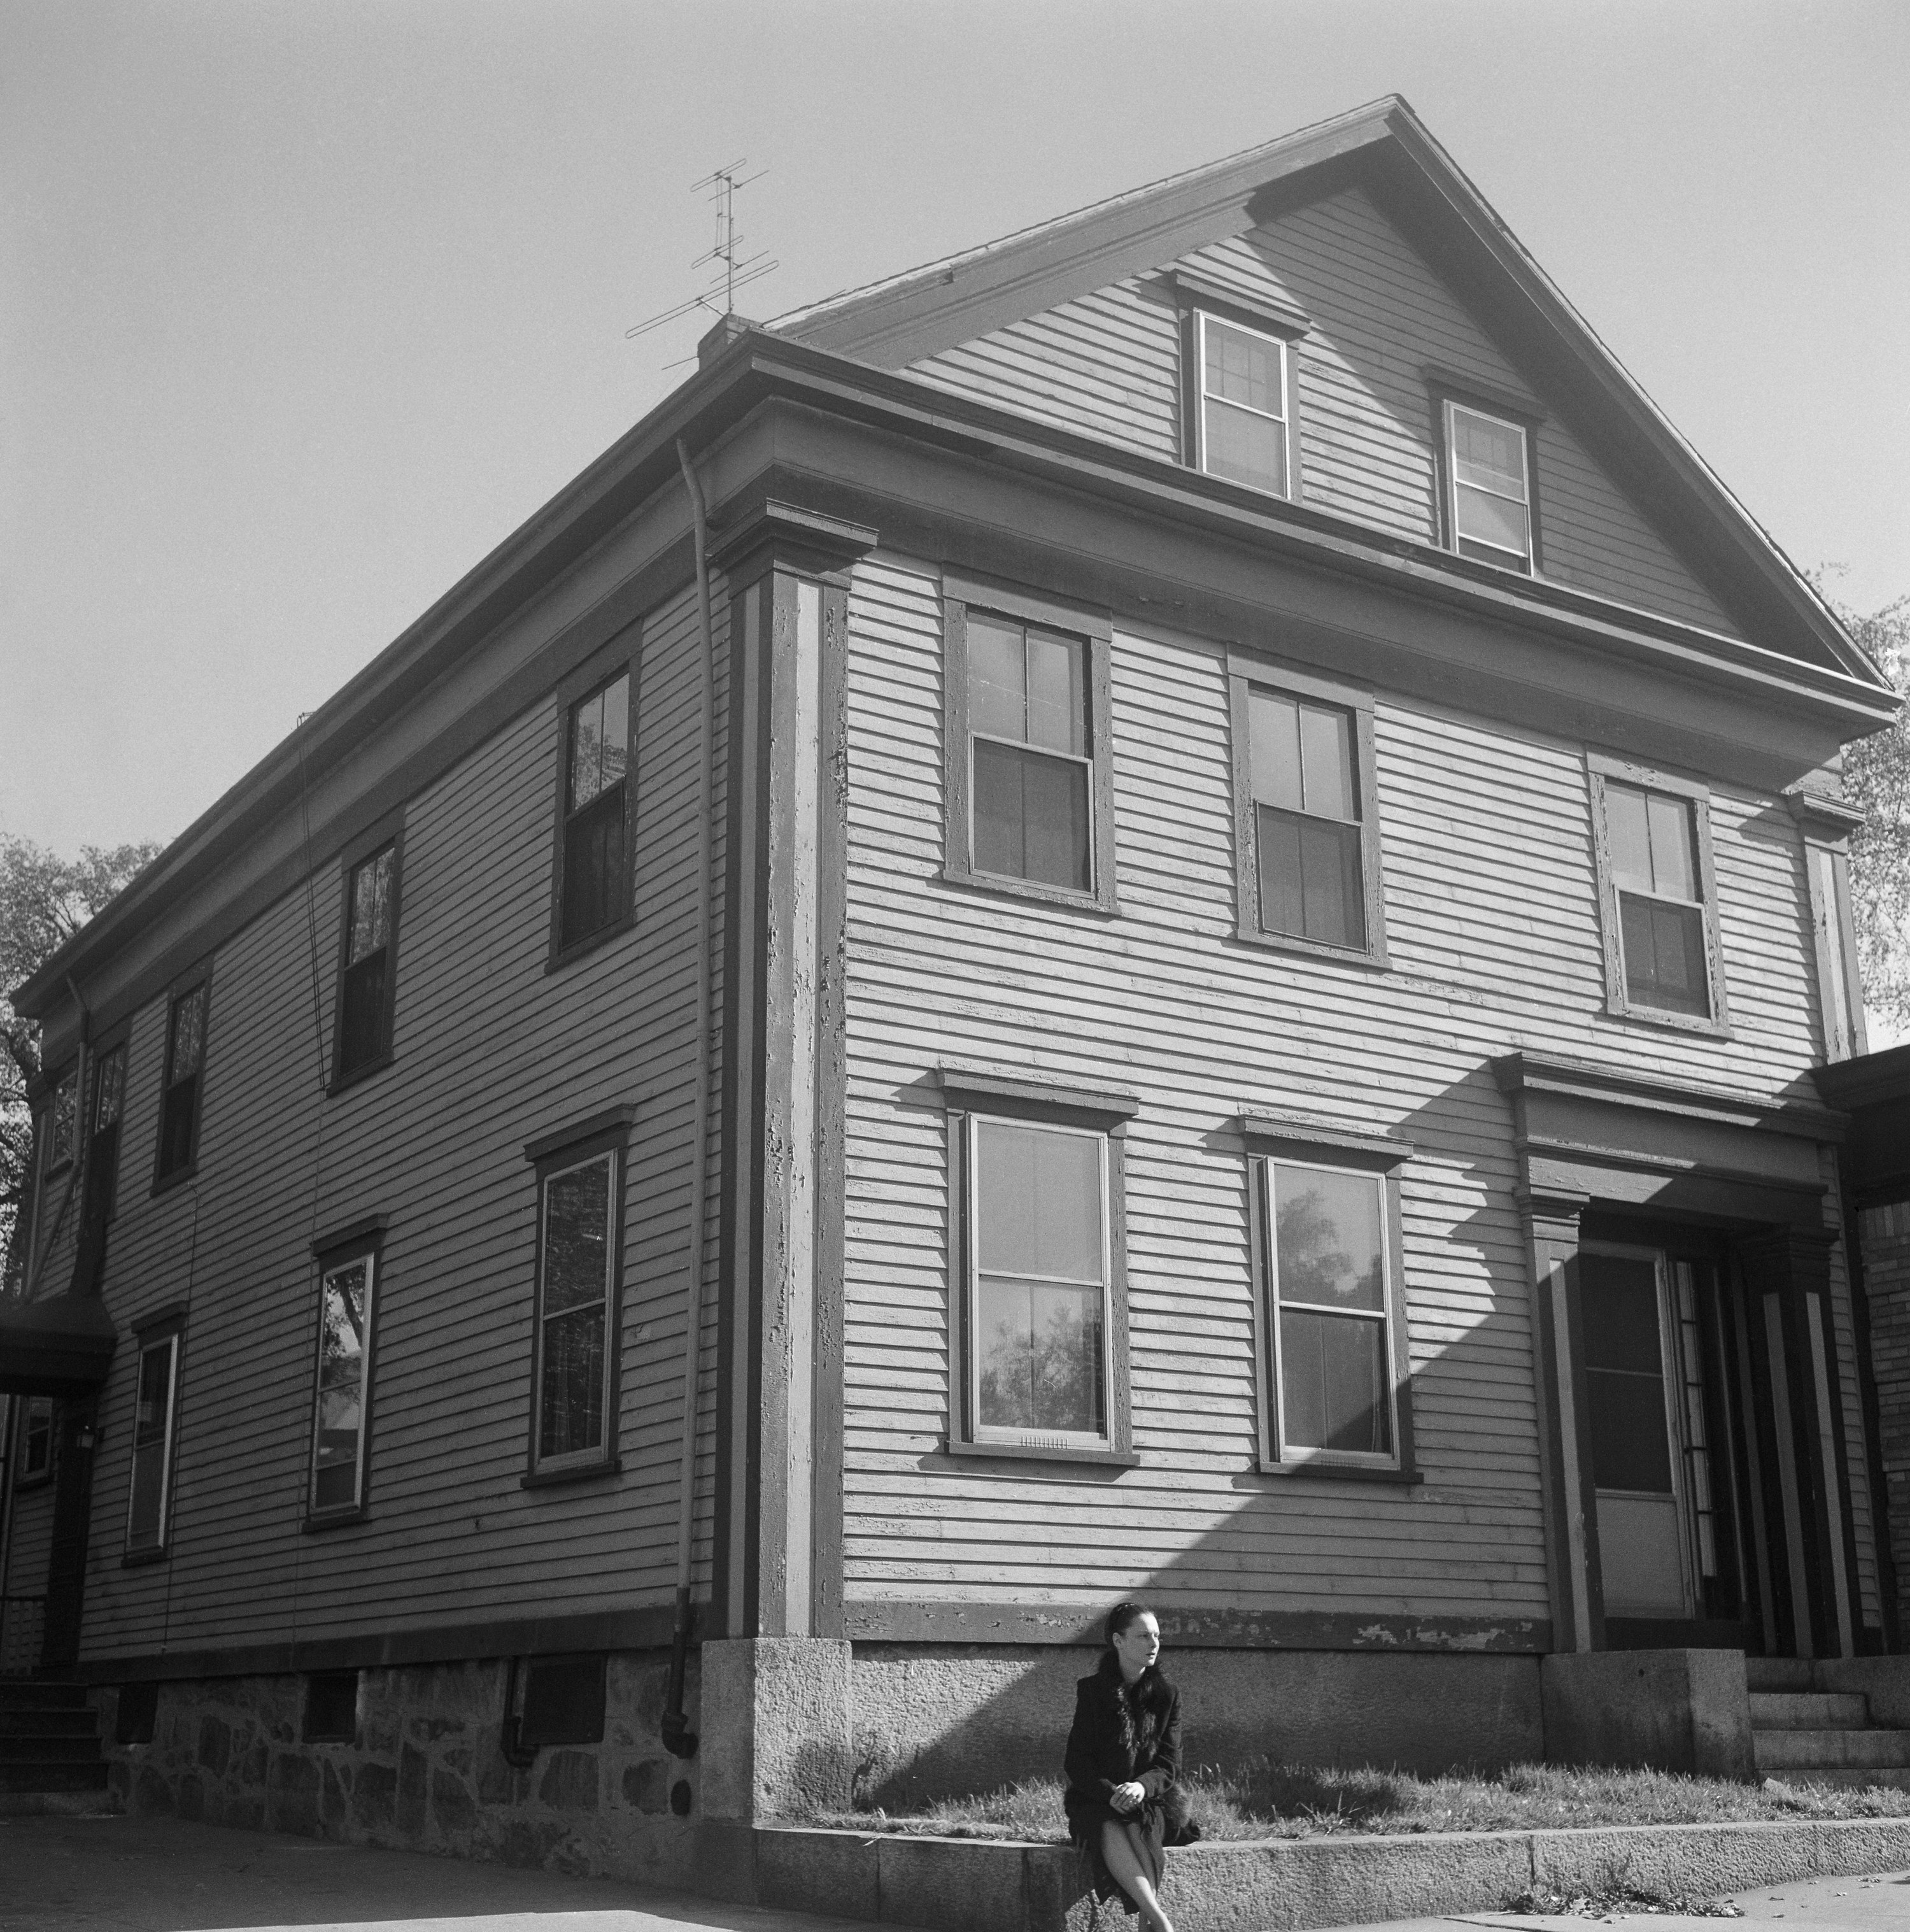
<point x="1244" y="420"/>
<point x="1488" y="510"/>
<point x="341" y="1396"/>
<point x="594" y="846"/>
<point x="1326" y="1212"/>
<point x="1306" y="809"/>
<point x="36" y="1439"/>
<point x="62" y="1107"/>
<point x="366" y="962"/>
<point x="155" y="1419"/>
<point x="1040" y="1300"/>
<point x="579" y="1240"/>
<point x="1029" y="805"/>
<point x="180" y="1092"/>
<point x="1658" y="894"/>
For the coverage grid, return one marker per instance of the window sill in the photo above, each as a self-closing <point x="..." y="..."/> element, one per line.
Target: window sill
<point x="544" y="1479"/>
<point x="344" y="1082"/>
<point x="178" y="1178"/>
<point x="138" y="1559"/>
<point x="1708" y="1029"/>
<point x="319" y="1521"/>
<point x="38" y="1480"/>
<point x="1372" y="958"/>
<point x="1100" y="905"/>
<point x="1341" y="1472"/>
<point x="564" y="956"/>
<point x="1017" y="1452"/>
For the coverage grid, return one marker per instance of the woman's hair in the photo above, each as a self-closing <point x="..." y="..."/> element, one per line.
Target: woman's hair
<point x="1123" y="1617"/>
<point x="1137" y="1706"/>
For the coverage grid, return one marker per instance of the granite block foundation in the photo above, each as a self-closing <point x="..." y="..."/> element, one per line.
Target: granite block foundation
<point x="424" y="1771"/>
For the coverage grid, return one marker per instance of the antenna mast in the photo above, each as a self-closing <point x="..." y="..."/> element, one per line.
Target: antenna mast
<point x="734" y="269"/>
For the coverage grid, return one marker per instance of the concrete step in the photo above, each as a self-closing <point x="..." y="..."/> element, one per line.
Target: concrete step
<point x="35" y="1694"/>
<point x="1849" y="1777"/>
<point x="1777" y="1673"/>
<point x="1780" y="1752"/>
<point x="57" y="1804"/>
<point x="1808" y="1710"/>
<point x="49" y="1750"/>
<point x="43" y="1776"/>
<point x="54" y="1722"/>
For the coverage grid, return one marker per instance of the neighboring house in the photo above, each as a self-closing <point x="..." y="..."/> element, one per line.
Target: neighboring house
<point x="1234" y="1020"/>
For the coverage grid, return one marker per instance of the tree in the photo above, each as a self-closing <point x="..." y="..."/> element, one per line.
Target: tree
<point x="44" y="900"/>
<point x="1877" y="781"/>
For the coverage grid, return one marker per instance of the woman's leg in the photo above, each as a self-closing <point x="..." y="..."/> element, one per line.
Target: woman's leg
<point x="1122" y="1851"/>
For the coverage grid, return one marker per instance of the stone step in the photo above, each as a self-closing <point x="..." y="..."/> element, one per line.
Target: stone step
<point x="57" y="1804"/>
<point x="1808" y="1710"/>
<point x="1777" y="1673"/>
<point x="35" y="1694"/>
<point x="1780" y="1752"/>
<point x="43" y="1750"/>
<point x="49" y="1722"/>
<point x="1849" y="1777"/>
<point x="43" y="1776"/>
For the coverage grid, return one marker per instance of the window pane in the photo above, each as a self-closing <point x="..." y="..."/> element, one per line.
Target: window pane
<point x="1037" y="1196"/>
<point x="997" y="678"/>
<point x="1329" y="1238"/>
<point x="1490" y="520"/>
<point x="1031" y="816"/>
<point x="1333" y="1386"/>
<point x="1038" y="1356"/>
<point x="1627" y="830"/>
<point x="1631" y="1448"/>
<point x="1673" y="864"/>
<point x="1619" y="1295"/>
<point x="1273" y="727"/>
<point x="595" y="867"/>
<point x="1055" y="710"/>
<point x="1282" y="901"/>
<point x="362" y="1012"/>
<point x="371" y="906"/>
<point x="149" y="1432"/>
<point x="1489" y="455"/>
<point x="188" y="1041"/>
<point x="571" y="1409"/>
<point x="1243" y="368"/>
<point x="1326" y="745"/>
<point x="177" y="1115"/>
<point x="614" y="752"/>
<point x="1330" y="876"/>
<point x="36" y="1454"/>
<point x="1664" y="955"/>
<point x="62" y="1124"/>
<point x="1244" y="448"/>
<point x="587" y="751"/>
<point x="109" y="1093"/>
<point x="576" y="1236"/>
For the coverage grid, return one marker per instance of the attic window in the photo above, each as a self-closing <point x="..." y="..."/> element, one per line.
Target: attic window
<point x="1488" y="507"/>
<point x="1245" y="414"/>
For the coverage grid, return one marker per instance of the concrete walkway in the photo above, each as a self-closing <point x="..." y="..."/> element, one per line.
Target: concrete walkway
<point x="111" y="1874"/>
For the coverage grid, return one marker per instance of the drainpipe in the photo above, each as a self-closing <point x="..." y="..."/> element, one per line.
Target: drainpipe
<point x="678" y="1738"/>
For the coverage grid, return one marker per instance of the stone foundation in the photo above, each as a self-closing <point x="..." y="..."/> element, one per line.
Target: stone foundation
<point x="426" y="1770"/>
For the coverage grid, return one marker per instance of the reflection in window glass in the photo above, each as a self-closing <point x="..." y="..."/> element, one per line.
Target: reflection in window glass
<point x="61" y="1119"/>
<point x="596" y="861"/>
<point x="364" y="1002"/>
<point x="338" y="1445"/>
<point x="152" y="1445"/>
<point x="185" y="1051"/>
<point x="574" y="1306"/>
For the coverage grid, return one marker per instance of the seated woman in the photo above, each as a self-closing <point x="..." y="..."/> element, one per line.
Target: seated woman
<point x="1123" y="1760"/>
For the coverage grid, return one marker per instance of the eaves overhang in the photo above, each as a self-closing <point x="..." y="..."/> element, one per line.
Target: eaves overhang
<point x="758" y="368"/>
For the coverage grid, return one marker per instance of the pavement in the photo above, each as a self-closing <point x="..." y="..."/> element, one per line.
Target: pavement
<point x="114" y="1874"/>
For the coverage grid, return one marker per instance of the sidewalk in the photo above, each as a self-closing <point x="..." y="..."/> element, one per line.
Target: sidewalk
<point x="113" y="1874"/>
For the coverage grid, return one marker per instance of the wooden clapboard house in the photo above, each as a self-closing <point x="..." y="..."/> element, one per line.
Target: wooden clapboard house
<point x="1186" y="936"/>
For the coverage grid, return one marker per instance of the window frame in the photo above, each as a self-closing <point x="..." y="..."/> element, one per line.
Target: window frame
<point x="1203" y="310"/>
<point x="53" y="1163"/>
<point x="334" y="1254"/>
<point x="24" y="1477"/>
<point x="389" y="832"/>
<point x="605" y="1135"/>
<point x="960" y="594"/>
<point x="622" y="658"/>
<point x="1824" y="827"/>
<point x="1600" y="768"/>
<point x="1245" y="672"/>
<point x="200" y="979"/>
<point x="970" y="1096"/>
<point x="165" y="1329"/>
<point x="1449" y="392"/>
<point x="116" y="1040"/>
<point x="1271" y="1140"/>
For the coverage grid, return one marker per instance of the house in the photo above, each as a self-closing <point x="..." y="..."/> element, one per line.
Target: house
<point x="1152" y="911"/>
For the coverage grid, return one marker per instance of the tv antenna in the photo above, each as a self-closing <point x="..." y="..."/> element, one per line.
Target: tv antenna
<point x="734" y="269"/>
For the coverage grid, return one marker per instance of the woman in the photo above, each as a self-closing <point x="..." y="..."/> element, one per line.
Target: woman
<point x="1124" y="1760"/>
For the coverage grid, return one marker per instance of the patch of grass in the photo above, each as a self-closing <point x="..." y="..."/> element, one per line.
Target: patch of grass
<point x="1620" y="1898"/>
<point x="1262" y="1799"/>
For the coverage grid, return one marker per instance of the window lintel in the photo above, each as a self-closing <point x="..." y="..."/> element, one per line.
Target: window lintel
<point x="1279" y="673"/>
<point x="608" y="1126"/>
<point x="1106" y="1107"/>
<point x="1485" y="398"/>
<point x="1031" y="607"/>
<point x="352" y="1238"/>
<point x="1297" y="1137"/>
<point x="1263" y="311"/>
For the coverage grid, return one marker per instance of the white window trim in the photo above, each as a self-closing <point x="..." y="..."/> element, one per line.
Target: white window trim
<point x="1527" y="563"/>
<point x="971" y="1290"/>
<point x="367" y="1259"/>
<point x="162" y="1538"/>
<point x="1202" y="395"/>
<point x="602" y="1452"/>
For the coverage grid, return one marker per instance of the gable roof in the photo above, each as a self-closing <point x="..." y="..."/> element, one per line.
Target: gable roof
<point x="1385" y="148"/>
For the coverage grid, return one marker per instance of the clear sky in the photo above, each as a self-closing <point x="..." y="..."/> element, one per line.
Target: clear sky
<point x="305" y="305"/>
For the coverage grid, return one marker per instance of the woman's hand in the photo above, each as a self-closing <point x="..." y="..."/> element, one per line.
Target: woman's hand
<point x="1128" y="1797"/>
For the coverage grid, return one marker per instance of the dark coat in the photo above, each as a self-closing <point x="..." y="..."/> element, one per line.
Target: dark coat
<point x="1103" y="1752"/>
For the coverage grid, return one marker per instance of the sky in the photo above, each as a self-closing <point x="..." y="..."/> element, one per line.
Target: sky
<point x="304" y="307"/>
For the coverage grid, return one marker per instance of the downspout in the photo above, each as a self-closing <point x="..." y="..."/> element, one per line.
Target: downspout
<point x="678" y="1738"/>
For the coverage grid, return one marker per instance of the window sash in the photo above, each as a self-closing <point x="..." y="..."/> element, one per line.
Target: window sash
<point x="1468" y="543"/>
<point x="1063" y="854"/>
<point x="1692" y="993"/>
<point x="1280" y="470"/>
<point x="1032" y="1436"/>
<point x="322" y="1497"/>
<point x="554" y="1394"/>
<point x="150" y="1490"/>
<point x="596" y="864"/>
<point x="1379" y="1321"/>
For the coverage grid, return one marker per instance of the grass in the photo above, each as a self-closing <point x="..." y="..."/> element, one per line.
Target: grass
<point x="1261" y="1799"/>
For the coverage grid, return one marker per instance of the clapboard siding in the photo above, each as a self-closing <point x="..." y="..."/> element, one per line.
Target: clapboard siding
<point x="1493" y="926"/>
<point x="1108" y="364"/>
<point x="491" y="1050"/>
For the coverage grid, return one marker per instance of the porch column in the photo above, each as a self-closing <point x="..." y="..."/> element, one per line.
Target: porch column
<point x="1552" y="1216"/>
<point x="1787" y="1290"/>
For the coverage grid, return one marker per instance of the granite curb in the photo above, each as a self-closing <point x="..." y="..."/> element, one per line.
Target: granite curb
<point x="1292" y="1885"/>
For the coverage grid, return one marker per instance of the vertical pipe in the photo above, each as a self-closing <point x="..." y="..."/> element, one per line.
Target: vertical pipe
<point x="678" y="1738"/>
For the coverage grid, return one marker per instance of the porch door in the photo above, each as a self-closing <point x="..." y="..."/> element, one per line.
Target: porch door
<point x="1634" y="1394"/>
